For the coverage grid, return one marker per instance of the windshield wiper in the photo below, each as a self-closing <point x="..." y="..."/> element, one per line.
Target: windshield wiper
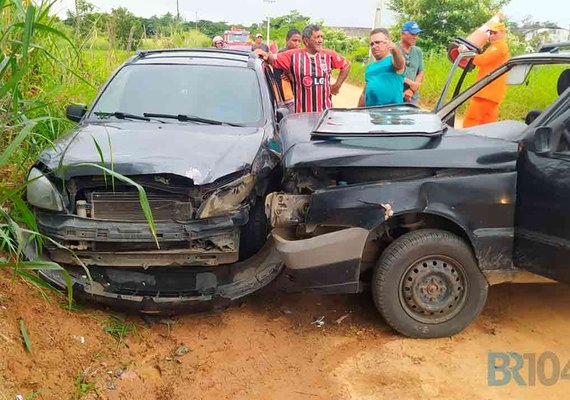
<point x="121" y="115"/>
<point x="190" y="118"/>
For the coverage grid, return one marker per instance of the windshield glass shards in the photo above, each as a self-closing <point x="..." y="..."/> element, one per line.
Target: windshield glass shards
<point x="203" y="93"/>
<point x="396" y="120"/>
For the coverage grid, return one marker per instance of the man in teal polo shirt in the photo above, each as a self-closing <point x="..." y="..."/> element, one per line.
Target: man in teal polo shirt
<point x="414" y="61"/>
<point x="384" y="77"/>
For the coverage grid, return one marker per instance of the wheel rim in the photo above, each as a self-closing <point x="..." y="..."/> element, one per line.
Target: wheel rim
<point x="433" y="289"/>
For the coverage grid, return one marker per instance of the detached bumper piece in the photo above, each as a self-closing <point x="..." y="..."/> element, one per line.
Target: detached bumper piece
<point x="172" y="290"/>
<point x="329" y="263"/>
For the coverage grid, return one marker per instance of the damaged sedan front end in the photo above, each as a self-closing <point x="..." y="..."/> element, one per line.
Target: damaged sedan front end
<point x="205" y="171"/>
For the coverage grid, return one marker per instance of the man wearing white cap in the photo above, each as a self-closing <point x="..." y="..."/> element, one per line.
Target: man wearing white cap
<point x="259" y="43"/>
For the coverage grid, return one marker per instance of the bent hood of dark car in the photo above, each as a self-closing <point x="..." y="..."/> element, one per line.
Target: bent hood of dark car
<point x="202" y="153"/>
<point x="455" y="148"/>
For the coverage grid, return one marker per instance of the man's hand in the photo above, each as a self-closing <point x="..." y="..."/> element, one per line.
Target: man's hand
<point x="414" y="85"/>
<point x="335" y="88"/>
<point x="462" y="48"/>
<point x="408" y="93"/>
<point x="262" y="54"/>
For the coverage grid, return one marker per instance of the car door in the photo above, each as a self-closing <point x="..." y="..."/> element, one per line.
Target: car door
<point x="542" y="218"/>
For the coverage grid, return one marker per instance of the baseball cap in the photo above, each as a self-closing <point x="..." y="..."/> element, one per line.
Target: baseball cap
<point x="259" y="35"/>
<point x="496" y="26"/>
<point x="412" y="27"/>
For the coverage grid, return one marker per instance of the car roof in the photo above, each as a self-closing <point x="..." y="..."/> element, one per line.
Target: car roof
<point x="210" y="56"/>
<point x="538" y="57"/>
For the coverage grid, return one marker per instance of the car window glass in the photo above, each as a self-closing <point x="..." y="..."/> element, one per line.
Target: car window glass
<point x="525" y="101"/>
<point x="228" y="94"/>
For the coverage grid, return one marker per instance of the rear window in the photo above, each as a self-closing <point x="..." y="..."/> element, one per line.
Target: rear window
<point x="227" y="94"/>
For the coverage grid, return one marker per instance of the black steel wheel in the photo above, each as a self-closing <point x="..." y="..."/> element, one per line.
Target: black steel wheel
<point x="427" y="284"/>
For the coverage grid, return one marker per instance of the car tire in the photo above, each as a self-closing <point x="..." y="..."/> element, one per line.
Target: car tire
<point x="254" y="234"/>
<point x="427" y="284"/>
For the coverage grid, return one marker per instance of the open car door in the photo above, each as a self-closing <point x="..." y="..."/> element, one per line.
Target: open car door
<point x="542" y="218"/>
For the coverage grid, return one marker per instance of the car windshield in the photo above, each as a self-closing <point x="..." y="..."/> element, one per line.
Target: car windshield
<point x="216" y="93"/>
<point x="238" y="38"/>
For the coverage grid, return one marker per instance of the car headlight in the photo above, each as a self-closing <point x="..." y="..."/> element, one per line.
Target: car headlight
<point x="41" y="192"/>
<point x="227" y="198"/>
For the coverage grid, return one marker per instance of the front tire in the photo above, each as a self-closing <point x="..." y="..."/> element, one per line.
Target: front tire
<point x="427" y="284"/>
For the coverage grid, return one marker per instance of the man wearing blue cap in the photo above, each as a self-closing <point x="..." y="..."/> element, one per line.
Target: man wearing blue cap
<point x="414" y="61"/>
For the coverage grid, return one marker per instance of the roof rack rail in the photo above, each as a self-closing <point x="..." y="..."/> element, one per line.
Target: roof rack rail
<point x="144" y="53"/>
<point x="553" y="47"/>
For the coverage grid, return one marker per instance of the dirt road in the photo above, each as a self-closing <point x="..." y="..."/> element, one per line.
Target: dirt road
<point x="268" y="347"/>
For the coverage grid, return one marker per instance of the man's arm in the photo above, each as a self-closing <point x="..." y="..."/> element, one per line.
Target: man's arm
<point x="362" y="97"/>
<point x="335" y="88"/>
<point x="415" y="84"/>
<point x="398" y="60"/>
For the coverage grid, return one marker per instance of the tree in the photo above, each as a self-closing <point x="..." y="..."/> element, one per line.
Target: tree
<point x="126" y="25"/>
<point x="444" y="20"/>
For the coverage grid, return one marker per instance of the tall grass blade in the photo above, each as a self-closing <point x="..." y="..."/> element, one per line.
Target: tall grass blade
<point x="13" y="146"/>
<point x="25" y="336"/>
<point x="28" y="30"/>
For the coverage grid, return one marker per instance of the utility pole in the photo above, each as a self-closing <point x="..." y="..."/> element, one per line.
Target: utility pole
<point x="378" y="14"/>
<point x="196" y="20"/>
<point x="177" y="11"/>
<point x="268" y="18"/>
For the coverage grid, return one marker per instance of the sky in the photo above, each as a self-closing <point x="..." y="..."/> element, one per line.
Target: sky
<point x="360" y="13"/>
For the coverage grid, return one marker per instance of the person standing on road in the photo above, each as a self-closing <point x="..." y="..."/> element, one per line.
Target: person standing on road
<point x="310" y="70"/>
<point x="259" y="43"/>
<point x="414" y="61"/>
<point x="384" y="77"/>
<point x="293" y="41"/>
<point x="484" y="106"/>
<point x="218" y="42"/>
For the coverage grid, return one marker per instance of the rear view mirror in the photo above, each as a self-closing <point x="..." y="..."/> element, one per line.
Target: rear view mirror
<point x="75" y="112"/>
<point x="542" y="137"/>
<point x="518" y="74"/>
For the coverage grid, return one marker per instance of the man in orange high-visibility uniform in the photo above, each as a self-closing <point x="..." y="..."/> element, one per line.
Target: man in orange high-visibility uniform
<point x="484" y="106"/>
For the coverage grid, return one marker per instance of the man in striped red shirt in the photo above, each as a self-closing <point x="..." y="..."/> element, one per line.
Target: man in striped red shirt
<point x="310" y="71"/>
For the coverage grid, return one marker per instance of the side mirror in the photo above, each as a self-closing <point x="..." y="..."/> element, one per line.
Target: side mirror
<point x="542" y="137"/>
<point x="75" y="112"/>
<point x="281" y="113"/>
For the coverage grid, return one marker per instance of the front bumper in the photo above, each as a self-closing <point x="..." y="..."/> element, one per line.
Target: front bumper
<point x="171" y="290"/>
<point x="329" y="263"/>
<point x="96" y="242"/>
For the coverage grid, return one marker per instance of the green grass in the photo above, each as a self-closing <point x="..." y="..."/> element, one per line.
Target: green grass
<point x="119" y="328"/>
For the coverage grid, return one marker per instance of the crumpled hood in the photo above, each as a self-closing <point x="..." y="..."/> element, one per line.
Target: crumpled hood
<point x="202" y="153"/>
<point x="454" y="149"/>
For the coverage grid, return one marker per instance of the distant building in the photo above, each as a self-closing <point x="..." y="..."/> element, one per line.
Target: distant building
<point x="535" y="37"/>
<point x="352" y="31"/>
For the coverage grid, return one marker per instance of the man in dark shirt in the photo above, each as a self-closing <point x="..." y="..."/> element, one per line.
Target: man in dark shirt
<point x="259" y="43"/>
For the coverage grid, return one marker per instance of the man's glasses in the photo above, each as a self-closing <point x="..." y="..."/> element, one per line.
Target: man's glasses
<point x="377" y="42"/>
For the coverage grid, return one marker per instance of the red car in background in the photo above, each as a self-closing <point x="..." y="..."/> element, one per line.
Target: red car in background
<point x="237" y="39"/>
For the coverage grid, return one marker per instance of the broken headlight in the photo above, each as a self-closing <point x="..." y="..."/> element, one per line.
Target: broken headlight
<point x="41" y="193"/>
<point x="227" y="198"/>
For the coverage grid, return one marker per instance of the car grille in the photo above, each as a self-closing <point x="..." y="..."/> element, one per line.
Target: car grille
<point x="125" y="206"/>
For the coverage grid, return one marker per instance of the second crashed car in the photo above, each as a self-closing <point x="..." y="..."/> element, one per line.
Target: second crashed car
<point x="427" y="214"/>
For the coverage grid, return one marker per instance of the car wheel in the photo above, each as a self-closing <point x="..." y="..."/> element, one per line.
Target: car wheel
<point x="427" y="284"/>
<point x="253" y="234"/>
